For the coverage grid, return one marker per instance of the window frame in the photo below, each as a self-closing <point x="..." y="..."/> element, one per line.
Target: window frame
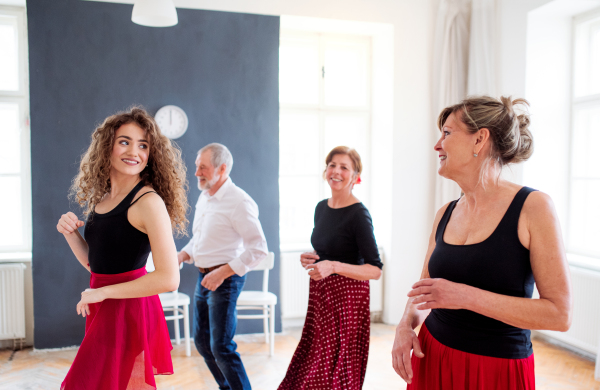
<point x="21" y="98"/>
<point x="321" y="109"/>
<point x="578" y="255"/>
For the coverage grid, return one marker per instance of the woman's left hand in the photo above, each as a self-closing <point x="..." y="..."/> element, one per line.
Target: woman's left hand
<point x="321" y="270"/>
<point x="90" y="295"/>
<point x="440" y="294"/>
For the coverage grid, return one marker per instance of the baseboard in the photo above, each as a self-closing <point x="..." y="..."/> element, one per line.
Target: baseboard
<point x="377" y="317"/>
<point x="551" y="340"/>
<point x="297" y="322"/>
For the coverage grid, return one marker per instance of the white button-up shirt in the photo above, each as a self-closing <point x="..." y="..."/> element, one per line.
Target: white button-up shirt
<point x="226" y="229"/>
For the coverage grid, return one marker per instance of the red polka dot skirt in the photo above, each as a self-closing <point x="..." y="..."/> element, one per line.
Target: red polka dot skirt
<point x="334" y="348"/>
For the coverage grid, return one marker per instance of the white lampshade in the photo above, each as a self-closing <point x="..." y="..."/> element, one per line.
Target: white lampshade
<point x="154" y="13"/>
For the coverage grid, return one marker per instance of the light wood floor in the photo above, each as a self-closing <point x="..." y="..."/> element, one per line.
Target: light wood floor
<point x="32" y="370"/>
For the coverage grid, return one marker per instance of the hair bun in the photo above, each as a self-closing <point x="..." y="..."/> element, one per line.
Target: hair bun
<point x="506" y="119"/>
<point x="521" y="147"/>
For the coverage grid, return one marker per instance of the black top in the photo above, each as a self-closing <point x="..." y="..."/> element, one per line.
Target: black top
<point x="345" y="235"/>
<point x="115" y="246"/>
<point x="499" y="264"/>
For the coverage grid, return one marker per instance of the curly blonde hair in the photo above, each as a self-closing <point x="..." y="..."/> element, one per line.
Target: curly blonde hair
<point x="165" y="171"/>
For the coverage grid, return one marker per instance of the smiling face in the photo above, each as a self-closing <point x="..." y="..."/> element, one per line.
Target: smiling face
<point x="206" y="173"/>
<point x="130" y="150"/>
<point x="455" y="147"/>
<point x="340" y="173"/>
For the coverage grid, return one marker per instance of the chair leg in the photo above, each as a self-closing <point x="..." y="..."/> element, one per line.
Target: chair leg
<point x="265" y="327"/>
<point x="176" y="314"/>
<point x="272" y="323"/>
<point x="186" y="329"/>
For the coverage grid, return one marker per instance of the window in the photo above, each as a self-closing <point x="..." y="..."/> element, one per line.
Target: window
<point x="584" y="208"/>
<point x="15" y="203"/>
<point x="325" y="101"/>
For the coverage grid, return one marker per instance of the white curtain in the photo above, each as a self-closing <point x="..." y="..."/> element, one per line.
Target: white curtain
<point x="463" y="64"/>
<point x="482" y="77"/>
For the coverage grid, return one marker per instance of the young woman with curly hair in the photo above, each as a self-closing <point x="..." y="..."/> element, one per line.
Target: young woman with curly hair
<point x="132" y="184"/>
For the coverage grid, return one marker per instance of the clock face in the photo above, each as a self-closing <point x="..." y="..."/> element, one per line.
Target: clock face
<point x="172" y="120"/>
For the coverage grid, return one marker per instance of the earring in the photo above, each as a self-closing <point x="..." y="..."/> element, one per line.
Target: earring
<point x="474" y="154"/>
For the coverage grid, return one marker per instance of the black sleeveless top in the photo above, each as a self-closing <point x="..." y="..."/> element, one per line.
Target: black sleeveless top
<point x="499" y="264"/>
<point x="115" y="246"/>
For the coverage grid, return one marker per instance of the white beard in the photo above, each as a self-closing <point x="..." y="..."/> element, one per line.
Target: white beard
<point x="209" y="183"/>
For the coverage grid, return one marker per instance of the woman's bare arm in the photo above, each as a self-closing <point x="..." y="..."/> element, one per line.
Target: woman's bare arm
<point x="325" y="268"/>
<point x="68" y="225"/>
<point x="149" y="215"/>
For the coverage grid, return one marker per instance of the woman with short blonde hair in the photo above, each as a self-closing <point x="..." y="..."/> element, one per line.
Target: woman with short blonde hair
<point x="486" y="250"/>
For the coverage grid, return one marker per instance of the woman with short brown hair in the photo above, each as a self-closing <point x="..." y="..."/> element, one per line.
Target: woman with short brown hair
<point x="334" y="348"/>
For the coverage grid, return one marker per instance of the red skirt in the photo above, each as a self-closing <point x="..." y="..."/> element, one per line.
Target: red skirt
<point x="334" y="348"/>
<point x="126" y="342"/>
<point x="450" y="369"/>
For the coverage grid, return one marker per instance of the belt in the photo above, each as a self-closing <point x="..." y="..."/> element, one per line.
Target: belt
<point x="209" y="269"/>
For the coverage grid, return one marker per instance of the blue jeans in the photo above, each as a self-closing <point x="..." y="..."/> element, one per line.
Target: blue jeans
<point x="216" y="319"/>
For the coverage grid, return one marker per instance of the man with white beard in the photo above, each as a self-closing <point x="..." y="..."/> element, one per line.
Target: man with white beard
<point x="227" y="242"/>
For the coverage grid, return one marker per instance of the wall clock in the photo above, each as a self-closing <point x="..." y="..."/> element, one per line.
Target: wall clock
<point x="172" y="120"/>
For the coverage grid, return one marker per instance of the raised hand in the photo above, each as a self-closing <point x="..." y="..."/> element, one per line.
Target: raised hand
<point x="68" y="223"/>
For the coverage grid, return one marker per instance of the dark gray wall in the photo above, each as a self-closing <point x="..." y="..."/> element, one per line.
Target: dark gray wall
<point x="88" y="60"/>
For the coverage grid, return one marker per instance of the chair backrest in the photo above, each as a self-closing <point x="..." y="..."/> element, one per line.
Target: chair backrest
<point x="267" y="264"/>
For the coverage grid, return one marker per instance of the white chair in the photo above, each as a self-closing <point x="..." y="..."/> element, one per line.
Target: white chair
<point x="177" y="303"/>
<point x="261" y="300"/>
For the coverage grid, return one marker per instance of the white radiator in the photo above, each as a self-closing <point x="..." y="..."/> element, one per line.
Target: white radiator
<point x="585" y="328"/>
<point x="295" y="282"/>
<point x="294" y="286"/>
<point x="12" y="301"/>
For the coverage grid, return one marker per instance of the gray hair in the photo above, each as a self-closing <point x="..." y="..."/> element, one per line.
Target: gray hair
<point x="219" y="155"/>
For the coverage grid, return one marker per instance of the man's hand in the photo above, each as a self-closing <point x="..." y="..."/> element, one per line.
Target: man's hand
<point x="183" y="256"/>
<point x="214" y="279"/>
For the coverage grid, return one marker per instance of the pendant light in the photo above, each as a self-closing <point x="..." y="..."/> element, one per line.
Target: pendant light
<point x="154" y="13"/>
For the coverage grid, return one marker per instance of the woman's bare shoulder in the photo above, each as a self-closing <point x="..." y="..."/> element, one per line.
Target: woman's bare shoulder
<point x="147" y="200"/>
<point x="538" y="204"/>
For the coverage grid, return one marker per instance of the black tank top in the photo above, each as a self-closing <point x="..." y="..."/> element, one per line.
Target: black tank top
<point x="115" y="246"/>
<point x="499" y="264"/>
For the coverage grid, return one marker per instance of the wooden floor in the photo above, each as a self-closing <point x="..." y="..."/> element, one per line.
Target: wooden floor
<point x="32" y="370"/>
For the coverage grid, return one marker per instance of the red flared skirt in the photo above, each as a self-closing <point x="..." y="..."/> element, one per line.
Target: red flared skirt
<point x="126" y="342"/>
<point x="450" y="369"/>
<point x="334" y="348"/>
